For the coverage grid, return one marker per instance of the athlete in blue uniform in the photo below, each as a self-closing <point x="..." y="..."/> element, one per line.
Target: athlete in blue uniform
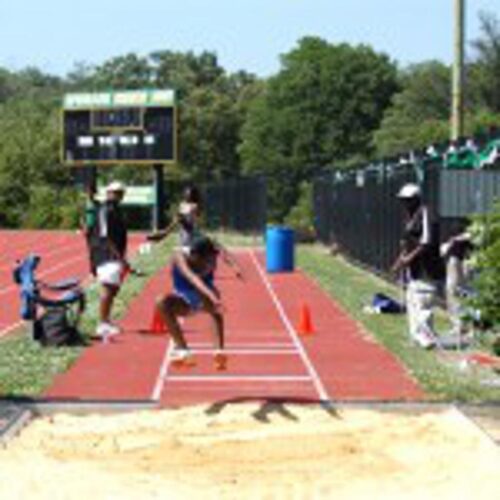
<point x="194" y="290"/>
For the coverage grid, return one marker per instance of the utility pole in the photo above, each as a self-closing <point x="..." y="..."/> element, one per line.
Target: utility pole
<point x="457" y="118"/>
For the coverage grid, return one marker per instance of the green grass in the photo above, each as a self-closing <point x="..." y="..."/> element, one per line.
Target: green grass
<point x="353" y="288"/>
<point x="27" y="369"/>
<point x="229" y="238"/>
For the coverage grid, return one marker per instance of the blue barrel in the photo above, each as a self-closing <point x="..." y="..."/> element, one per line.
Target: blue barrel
<point x="280" y="243"/>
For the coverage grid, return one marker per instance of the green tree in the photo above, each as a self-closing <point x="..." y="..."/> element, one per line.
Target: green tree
<point x="29" y="156"/>
<point x="124" y="72"/>
<point x="419" y="113"/>
<point x="320" y="109"/>
<point x="487" y="260"/>
<point x="484" y="71"/>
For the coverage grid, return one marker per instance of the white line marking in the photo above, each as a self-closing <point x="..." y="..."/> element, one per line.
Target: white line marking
<point x="46" y="272"/>
<point x="323" y="395"/>
<point x="247" y="351"/>
<point x="235" y="345"/>
<point x="239" y="378"/>
<point x="162" y="374"/>
<point x="41" y="250"/>
<point x="10" y="328"/>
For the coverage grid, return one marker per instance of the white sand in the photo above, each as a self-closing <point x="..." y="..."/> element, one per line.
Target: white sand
<point x="300" y="453"/>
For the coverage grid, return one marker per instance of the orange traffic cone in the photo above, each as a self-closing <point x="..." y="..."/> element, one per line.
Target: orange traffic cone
<point x="305" y="324"/>
<point x="158" y="326"/>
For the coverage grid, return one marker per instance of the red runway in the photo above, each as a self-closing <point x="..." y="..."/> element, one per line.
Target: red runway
<point x="63" y="253"/>
<point x="267" y="359"/>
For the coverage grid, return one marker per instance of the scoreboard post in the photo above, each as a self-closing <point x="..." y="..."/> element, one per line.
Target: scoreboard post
<point x="122" y="127"/>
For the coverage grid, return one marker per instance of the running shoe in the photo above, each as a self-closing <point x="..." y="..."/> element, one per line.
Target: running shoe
<point x="220" y="361"/>
<point x="105" y="330"/>
<point x="182" y="358"/>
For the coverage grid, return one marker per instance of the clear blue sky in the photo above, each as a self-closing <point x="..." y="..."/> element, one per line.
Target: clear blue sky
<point x="246" y="34"/>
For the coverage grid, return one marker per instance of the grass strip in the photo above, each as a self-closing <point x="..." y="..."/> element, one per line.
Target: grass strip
<point x="27" y="369"/>
<point x="353" y="288"/>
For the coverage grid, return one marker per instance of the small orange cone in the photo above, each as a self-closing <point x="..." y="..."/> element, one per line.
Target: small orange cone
<point x="305" y="324"/>
<point x="158" y="326"/>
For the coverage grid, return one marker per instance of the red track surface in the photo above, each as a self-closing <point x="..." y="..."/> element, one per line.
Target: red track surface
<point x="266" y="357"/>
<point x="64" y="255"/>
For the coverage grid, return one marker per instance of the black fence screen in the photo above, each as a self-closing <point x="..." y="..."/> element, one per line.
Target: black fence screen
<point x="236" y="204"/>
<point x="359" y="211"/>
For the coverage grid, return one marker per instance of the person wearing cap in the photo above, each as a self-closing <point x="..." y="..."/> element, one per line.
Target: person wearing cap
<point x="108" y="254"/>
<point x="420" y="264"/>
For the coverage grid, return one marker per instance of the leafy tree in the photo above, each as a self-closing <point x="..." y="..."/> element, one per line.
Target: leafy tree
<point x="321" y="108"/>
<point x="124" y="72"/>
<point x="419" y="113"/>
<point x="28" y="155"/>
<point x="487" y="260"/>
<point x="485" y="69"/>
<point x="301" y="216"/>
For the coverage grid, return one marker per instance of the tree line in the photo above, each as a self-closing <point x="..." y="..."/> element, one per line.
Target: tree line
<point x="329" y="106"/>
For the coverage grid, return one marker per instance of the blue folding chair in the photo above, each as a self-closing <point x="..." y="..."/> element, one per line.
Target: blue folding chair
<point x="71" y="298"/>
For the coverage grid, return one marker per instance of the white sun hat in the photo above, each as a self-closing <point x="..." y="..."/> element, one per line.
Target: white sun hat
<point x="410" y="190"/>
<point x="116" y="186"/>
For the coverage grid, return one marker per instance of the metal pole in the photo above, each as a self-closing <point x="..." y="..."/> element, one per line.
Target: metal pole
<point x="158" y="214"/>
<point x="91" y="181"/>
<point x="457" y="120"/>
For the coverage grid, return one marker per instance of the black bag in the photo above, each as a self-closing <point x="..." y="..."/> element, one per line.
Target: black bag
<point x="54" y="329"/>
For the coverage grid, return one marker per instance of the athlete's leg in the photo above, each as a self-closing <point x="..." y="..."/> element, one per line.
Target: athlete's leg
<point x="171" y="307"/>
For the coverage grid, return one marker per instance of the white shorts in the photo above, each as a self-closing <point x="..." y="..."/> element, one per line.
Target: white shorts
<point x="110" y="273"/>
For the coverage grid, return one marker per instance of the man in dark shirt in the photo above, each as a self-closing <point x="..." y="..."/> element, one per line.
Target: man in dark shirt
<point x="108" y="250"/>
<point x="419" y="261"/>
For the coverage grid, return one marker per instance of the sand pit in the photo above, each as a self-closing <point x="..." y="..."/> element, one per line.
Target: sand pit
<point x="252" y="452"/>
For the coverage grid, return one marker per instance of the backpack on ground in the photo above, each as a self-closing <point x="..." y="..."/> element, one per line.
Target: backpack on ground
<point x="54" y="329"/>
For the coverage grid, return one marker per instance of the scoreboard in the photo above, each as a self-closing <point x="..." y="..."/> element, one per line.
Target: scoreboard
<point x="129" y="126"/>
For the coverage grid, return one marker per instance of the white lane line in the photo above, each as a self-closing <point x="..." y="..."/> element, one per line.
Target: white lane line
<point x="54" y="249"/>
<point x="236" y="345"/>
<point x="84" y="282"/>
<point x="10" y="328"/>
<point x="239" y="378"/>
<point x="230" y="351"/>
<point x="323" y="395"/>
<point x="48" y="271"/>
<point x="162" y="374"/>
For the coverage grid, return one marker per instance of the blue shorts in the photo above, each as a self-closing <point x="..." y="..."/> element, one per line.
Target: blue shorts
<point x="184" y="288"/>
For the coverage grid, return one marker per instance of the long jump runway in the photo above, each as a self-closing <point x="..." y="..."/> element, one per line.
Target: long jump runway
<point x="267" y="357"/>
<point x="63" y="255"/>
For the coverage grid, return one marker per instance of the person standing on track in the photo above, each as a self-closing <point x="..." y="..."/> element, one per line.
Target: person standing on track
<point x="89" y="222"/>
<point x="186" y="219"/>
<point x="108" y="255"/>
<point x="194" y="291"/>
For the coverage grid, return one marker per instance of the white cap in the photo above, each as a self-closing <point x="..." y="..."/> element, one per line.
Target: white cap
<point x="116" y="186"/>
<point x="409" y="191"/>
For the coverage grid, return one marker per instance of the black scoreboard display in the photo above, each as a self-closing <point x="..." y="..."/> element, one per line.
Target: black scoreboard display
<point x="132" y="126"/>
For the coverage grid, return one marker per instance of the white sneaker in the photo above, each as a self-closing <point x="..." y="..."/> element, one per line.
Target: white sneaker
<point x="181" y="357"/>
<point x="105" y="330"/>
<point x="424" y="339"/>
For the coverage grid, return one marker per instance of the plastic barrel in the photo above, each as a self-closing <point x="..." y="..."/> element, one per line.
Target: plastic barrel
<point x="280" y="248"/>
